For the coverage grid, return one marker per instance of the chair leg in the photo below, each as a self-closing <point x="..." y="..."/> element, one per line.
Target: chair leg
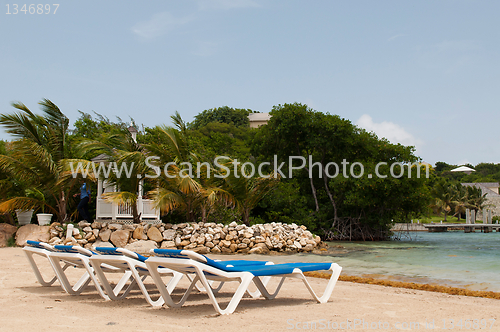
<point x="235" y="300"/>
<point x="257" y="293"/>
<point x="140" y="282"/>
<point x="110" y="293"/>
<point x="79" y="286"/>
<point x="262" y="287"/>
<point x="201" y="289"/>
<point x="165" y="291"/>
<point x="36" y="270"/>
<point x="336" y="269"/>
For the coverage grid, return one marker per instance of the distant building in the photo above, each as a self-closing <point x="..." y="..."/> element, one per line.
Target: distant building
<point x="492" y="194"/>
<point x="488" y="188"/>
<point x="464" y="169"/>
<point x="258" y="119"/>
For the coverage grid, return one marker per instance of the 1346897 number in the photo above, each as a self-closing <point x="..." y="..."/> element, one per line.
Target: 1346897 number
<point x="13" y="9"/>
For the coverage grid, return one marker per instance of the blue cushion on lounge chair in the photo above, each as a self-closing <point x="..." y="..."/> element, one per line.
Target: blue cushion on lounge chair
<point x="176" y="253"/>
<point x="115" y="251"/>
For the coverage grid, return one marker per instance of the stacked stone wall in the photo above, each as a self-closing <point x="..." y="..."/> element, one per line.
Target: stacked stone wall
<point x="200" y="237"/>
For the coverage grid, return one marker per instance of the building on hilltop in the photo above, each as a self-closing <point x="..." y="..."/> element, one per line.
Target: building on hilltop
<point x="464" y="169"/>
<point x="258" y="119"/>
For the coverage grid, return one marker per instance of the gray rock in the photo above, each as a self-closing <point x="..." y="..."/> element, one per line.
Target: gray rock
<point x="6" y="232"/>
<point x="115" y="227"/>
<point x="120" y="238"/>
<point x="155" y="234"/>
<point x="169" y="234"/>
<point x="168" y="245"/>
<point x="105" y="235"/>
<point x="32" y="232"/>
<point x="142" y="247"/>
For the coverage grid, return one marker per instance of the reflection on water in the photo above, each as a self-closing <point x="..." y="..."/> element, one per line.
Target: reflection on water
<point x="456" y="259"/>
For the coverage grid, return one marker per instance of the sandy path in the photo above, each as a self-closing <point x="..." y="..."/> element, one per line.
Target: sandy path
<point x="26" y="306"/>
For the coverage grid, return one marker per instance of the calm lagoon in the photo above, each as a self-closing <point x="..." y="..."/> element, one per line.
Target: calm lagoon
<point x="454" y="258"/>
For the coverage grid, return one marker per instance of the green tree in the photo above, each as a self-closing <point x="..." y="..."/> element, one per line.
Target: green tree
<point x="343" y="207"/>
<point x="38" y="157"/>
<point x="183" y="184"/>
<point x="224" y="114"/>
<point x="444" y="195"/>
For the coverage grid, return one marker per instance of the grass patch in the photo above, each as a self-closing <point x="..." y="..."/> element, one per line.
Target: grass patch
<point x="437" y="220"/>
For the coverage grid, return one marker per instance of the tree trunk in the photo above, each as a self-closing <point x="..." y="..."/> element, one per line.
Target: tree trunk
<point x="135" y="213"/>
<point x="246" y="216"/>
<point x="61" y="205"/>
<point x="330" y="196"/>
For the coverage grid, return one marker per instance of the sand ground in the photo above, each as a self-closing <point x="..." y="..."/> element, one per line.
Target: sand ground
<point x="26" y="306"/>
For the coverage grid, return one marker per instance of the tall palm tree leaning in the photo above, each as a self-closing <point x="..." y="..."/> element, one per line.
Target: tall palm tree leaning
<point x="178" y="190"/>
<point x="38" y="157"/>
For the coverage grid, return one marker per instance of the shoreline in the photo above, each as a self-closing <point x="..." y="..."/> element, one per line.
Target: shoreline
<point x="411" y="285"/>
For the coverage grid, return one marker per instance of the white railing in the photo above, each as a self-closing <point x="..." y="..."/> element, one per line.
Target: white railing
<point x="113" y="211"/>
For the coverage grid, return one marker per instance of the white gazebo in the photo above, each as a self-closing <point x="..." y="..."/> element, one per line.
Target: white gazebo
<point x="106" y="210"/>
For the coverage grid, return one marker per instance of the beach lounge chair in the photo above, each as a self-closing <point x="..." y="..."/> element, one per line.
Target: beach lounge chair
<point x="133" y="265"/>
<point x="60" y="258"/>
<point x="205" y="269"/>
<point x="127" y="260"/>
<point x="35" y="248"/>
<point x="79" y="257"/>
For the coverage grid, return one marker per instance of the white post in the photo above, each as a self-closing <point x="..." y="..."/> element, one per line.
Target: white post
<point x="69" y="231"/>
<point x="473" y="217"/>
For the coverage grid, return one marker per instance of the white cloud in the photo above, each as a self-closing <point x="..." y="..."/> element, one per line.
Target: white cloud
<point x="393" y="132"/>
<point x="396" y="36"/>
<point x="159" y="24"/>
<point x="226" y="4"/>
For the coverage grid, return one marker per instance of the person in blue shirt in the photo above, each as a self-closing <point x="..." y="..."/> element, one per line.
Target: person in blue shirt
<point x="83" y="206"/>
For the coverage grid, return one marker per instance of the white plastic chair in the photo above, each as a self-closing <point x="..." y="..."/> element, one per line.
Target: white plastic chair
<point x="206" y="269"/>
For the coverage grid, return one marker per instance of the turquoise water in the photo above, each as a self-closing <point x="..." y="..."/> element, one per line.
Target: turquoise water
<point x="455" y="259"/>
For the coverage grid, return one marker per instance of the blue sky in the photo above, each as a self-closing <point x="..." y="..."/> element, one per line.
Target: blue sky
<point x="423" y="73"/>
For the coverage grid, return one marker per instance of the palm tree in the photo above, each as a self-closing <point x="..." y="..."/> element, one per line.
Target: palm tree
<point x="443" y="197"/>
<point x="185" y="185"/>
<point x="129" y="167"/>
<point x="246" y="191"/>
<point x="460" y="200"/>
<point x="38" y="157"/>
<point x="475" y="199"/>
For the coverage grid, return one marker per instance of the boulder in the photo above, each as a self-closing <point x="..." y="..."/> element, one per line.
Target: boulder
<point x="105" y="235"/>
<point x="256" y="250"/>
<point x="168" y="245"/>
<point x="115" y="227"/>
<point x="155" y="234"/>
<point x="201" y="250"/>
<point x="6" y="232"/>
<point x="120" y="238"/>
<point x="32" y="232"/>
<point x="102" y="244"/>
<point x="169" y="234"/>
<point x="139" y="233"/>
<point x="96" y="225"/>
<point x="215" y="250"/>
<point x="142" y="247"/>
